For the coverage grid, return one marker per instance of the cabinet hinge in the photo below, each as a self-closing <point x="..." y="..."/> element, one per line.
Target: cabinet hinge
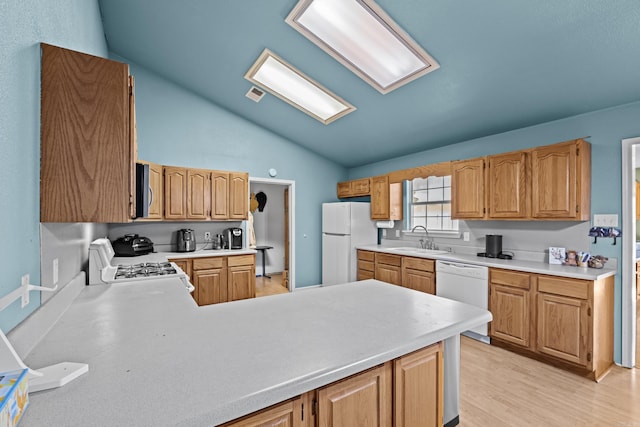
<point x="588" y="357"/>
<point x="588" y="311"/>
<point x="577" y="151"/>
<point x="302" y="413"/>
<point x="577" y="209"/>
<point x="314" y="407"/>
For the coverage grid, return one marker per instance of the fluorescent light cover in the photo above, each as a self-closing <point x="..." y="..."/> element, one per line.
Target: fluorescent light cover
<point x="360" y="35"/>
<point x="289" y="84"/>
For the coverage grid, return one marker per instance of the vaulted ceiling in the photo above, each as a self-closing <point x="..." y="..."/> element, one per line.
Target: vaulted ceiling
<point x="504" y="64"/>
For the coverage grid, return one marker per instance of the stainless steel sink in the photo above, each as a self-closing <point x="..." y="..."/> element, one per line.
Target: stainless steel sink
<point x="414" y="250"/>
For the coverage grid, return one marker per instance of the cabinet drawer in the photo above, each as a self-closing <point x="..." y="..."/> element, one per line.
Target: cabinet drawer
<point x="366" y="256"/>
<point x="387" y="259"/>
<point x="366" y="265"/>
<point x="419" y="264"/>
<point x="574" y="288"/>
<point x="241" y="260"/>
<point x="207" y="263"/>
<point x="510" y="278"/>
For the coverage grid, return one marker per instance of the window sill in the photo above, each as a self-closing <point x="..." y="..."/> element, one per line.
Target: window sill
<point x="434" y="233"/>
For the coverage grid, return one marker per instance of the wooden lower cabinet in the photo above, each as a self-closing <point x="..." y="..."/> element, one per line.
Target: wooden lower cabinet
<point x="220" y="279"/>
<point x="563" y="321"/>
<point x="366" y="265"/>
<point x="510" y="300"/>
<point x="362" y="400"/>
<point x="418" y="391"/>
<point x="292" y="413"/>
<point x="389" y="268"/>
<point x="419" y="274"/>
<point x="404" y="392"/>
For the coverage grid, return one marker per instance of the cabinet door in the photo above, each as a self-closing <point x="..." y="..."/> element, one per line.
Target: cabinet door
<point x="554" y="181"/>
<point x="242" y="282"/>
<point x="288" y="414"/>
<point x="386" y="199"/>
<point x="637" y="200"/>
<point x="419" y="280"/>
<point x="467" y="189"/>
<point x="344" y="189"/>
<point x="87" y="155"/>
<point x="211" y="286"/>
<point x="197" y="194"/>
<point x="389" y="273"/>
<point x="511" y="308"/>
<point x="364" y="400"/>
<point x="238" y="195"/>
<point x="507" y="182"/>
<point x="419" y="388"/>
<point x="219" y="195"/>
<point x="156" y="191"/>
<point x="175" y="192"/>
<point x="563" y="328"/>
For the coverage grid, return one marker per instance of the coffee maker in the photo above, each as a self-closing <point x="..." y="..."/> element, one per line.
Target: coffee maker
<point x="232" y="238"/>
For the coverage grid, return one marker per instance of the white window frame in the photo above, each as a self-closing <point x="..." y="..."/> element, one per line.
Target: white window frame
<point x="409" y="216"/>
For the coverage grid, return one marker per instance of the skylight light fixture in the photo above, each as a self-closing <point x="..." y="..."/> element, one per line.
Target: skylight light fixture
<point x="361" y="36"/>
<point x="281" y="79"/>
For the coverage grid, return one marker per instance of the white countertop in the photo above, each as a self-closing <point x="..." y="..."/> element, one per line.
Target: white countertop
<point x="163" y="256"/>
<point x="156" y="359"/>
<point x="508" y="264"/>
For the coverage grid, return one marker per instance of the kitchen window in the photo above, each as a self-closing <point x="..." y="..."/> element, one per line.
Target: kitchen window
<point x="430" y="204"/>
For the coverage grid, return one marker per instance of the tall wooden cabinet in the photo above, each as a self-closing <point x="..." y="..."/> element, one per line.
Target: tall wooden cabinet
<point x="386" y="199"/>
<point x="467" y="189"/>
<point x="508" y="193"/>
<point x="87" y="134"/>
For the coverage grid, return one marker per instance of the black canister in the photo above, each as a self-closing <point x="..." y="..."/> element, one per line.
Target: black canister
<point x="493" y="245"/>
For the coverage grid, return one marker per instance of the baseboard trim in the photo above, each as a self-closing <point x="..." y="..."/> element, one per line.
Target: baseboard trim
<point x="28" y="334"/>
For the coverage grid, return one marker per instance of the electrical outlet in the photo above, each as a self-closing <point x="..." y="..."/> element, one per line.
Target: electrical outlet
<point x="610" y="220"/>
<point x="397" y="233"/>
<point x="55" y="271"/>
<point x="384" y="232"/>
<point x="465" y="236"/>
<point x="207" y="236"/>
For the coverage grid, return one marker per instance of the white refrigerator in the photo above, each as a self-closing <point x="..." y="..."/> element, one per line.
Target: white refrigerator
<point x="345" y="225"/>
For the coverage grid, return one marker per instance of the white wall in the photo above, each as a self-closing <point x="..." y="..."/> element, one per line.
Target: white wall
<point x="269" y="227"/>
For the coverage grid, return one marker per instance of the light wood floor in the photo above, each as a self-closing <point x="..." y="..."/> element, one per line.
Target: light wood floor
<point x="273" y="286"/>
<point x="499" y="388"/>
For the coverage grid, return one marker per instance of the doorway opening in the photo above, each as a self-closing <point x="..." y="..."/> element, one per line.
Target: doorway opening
<point x="630" y="290"/>
<point x="273" y="211"/>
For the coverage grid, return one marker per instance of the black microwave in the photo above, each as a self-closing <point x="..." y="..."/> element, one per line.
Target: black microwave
<point x="144" y="194"/>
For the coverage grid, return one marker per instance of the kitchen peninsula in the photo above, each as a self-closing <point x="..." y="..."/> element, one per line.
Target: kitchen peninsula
<point x="155" y="358"/>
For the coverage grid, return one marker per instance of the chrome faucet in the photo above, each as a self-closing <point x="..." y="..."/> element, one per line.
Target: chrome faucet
<point x="425" y="243"/>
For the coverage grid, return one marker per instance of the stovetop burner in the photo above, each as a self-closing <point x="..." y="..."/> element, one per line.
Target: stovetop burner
<point x="145" y="269"/>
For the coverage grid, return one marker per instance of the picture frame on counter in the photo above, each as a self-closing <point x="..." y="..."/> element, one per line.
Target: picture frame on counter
<point x="557" y="255"/>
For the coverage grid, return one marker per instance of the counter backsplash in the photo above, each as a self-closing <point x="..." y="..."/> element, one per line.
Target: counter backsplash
<point x="164" y="234"/>
<point x="527" y="240"/>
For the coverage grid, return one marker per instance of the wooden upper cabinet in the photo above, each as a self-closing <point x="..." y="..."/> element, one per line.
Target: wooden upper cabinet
<point x="175" y="192"/>
<point x="198" y="194"/>
<point x="354" y="188"/>
<point x="156" y="191"/>
<point x="238" y="195"/>
<point x="561" y="181"/>
<point x="87" y="166"/>
<point x="219" y="195"/>
<point x="386" y="199"/>
<point x="467" y="189"/>
<point x="507" y="186"/>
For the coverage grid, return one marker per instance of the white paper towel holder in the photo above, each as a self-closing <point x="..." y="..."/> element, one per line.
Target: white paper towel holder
<point x="385" y="224"/>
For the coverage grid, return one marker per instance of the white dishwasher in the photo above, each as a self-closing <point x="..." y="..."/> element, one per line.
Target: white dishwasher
<point x="465" y="283"/>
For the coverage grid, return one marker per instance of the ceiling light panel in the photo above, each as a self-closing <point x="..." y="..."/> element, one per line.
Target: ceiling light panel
<point x="360" y="35"/>
<point x="281" y="79"/>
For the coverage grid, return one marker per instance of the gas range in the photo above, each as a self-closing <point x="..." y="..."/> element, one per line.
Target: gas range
<point x="101" y="271"/>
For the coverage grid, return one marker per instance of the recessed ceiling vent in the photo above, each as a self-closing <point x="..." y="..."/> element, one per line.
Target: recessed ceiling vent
<point x="255" y="94"/>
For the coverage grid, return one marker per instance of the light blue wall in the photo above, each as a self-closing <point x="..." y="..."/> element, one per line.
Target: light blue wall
<point x="604" y="129"/>
<point x="75" y="24"/>
<point x="177" y="127"/>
